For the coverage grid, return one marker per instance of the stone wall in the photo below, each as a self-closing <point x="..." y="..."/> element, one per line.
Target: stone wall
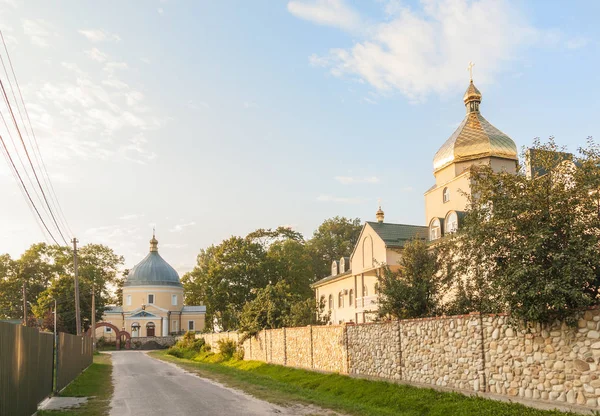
<point x="328" y="349"/>
<point x="374" y="350"/>
<point x="299" y="347"/>
<point x="445" y="352"/>
<point x="468" y="353"/>
<point x="152" y="342"/>
<point x="277" y="346"/>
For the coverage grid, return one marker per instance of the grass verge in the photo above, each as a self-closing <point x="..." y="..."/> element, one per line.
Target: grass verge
<point x="95" y="383"/>
<point x="284" y="385"/>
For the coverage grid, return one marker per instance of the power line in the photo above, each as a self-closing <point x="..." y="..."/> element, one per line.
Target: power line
<point x="46" y="176"/>
<point x="30" y="162"/>
<point x="25" y="189"/>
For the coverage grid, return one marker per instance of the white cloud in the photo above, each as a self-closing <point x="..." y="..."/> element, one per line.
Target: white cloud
<point x="419" y="51"/>
<point x="39" y="31"/>
<point x="128" y="217"/>
<point x="407" y="189"/>
<point x="160" y="10"/>
<point x="97" y="35"/>
<point x="348" y="180"/>
<point x="174" y="245"/>
<point x="97" y="55"/>
<point x="180" y="227"/>
<point x="111" y="67"/>
<point x="577" y="42"/>
<point x="326" y="12"/>
<point x="250" y="104"/>
<point x="342" y="200"/>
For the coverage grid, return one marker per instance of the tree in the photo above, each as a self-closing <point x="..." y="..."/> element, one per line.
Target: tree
<point x="335" y="238"/>
<point x="229" y="275"/>
<point x="412" y="291"/>
<point x="308" y="312"/>
<point x="98" y="267"/>
<point x="529" y="242"/>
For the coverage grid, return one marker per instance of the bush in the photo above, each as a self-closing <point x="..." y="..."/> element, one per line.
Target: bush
<point x="239" y="354"/>
<point x="227" y="348"/>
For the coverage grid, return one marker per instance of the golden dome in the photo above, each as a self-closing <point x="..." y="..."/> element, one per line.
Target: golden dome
<point x="474" y="138"/>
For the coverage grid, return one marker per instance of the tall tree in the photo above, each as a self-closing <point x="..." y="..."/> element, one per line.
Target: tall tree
<point x="413" y="290"/>
<point x="98" y="268"/>
<point x="530" y="241"/>
<point x="335" y="238"/>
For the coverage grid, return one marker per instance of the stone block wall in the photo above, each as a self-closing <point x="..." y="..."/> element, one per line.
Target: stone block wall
<point x="469" y="353"/>
<point x="276" y="343"/>
<point x="329" y="352"/>
<point x="299" y="347"/>
<point x="444" y="352"/>
<point x="559" y="363"/>
<point x="374" y="350"/>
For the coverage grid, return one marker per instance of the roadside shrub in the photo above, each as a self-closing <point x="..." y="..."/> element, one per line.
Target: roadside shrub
<point x="238" y="354"/>
<point x="227" y="348"/>
<point x="198" y="345"/>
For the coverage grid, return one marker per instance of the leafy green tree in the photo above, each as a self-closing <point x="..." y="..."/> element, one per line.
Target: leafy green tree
<point x="98" y="268"/>
<point x="413" y="290"/>
<point x="530" y="241"/>
<point x="335" y="238"/>
<point x="308" y="312"/>
<point x="11" y="303"/>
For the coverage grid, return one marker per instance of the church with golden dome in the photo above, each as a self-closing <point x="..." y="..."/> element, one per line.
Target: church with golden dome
<point x="350" y="291"/>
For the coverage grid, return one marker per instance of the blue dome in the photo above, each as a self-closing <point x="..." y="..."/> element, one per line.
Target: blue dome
<point x="153" y="270"/>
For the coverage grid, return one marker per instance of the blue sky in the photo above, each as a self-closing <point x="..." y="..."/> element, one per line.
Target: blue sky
<point x="211" y="119"/>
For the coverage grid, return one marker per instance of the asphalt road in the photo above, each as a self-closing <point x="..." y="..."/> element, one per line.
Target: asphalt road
<point x="147" y="386"/>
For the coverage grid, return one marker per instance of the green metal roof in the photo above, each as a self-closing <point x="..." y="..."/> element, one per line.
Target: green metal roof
<point x="396" y="235"/>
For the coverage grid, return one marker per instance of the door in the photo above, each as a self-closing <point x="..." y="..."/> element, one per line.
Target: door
<point x="150" y="329"/>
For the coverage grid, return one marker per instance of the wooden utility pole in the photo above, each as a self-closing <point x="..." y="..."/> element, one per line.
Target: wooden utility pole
<point x="55" y="357"/>
<point x="77" y="313"/>
<point x="24" y="304"/>
<point x="93" y="317"/>
<point x="55" y="319"/>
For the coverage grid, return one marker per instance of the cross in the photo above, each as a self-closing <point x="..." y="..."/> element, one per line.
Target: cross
<point x="470" y="69"/>
<point x="379" y="202"/>
<point x="153" y="231"/>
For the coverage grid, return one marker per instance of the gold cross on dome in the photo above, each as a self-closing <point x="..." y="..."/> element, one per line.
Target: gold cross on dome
<point x="379" y="202"/>
<point x="470" y="69"/>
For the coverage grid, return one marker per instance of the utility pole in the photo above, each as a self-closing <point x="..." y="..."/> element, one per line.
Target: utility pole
<point x="77" y="313"/>
<point x="24" y="304"/>
<point x="93" y="318"/>
<point x="55" y="319"/>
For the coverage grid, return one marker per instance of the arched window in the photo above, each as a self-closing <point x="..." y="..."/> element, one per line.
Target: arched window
<point x="451" y="222"/>
<point x="351" y="297"/>
<point x="435" y="229"/>
<point x="341" y="300"/>
<point x="446" y="194"/>
<point x="330" y="302"/>
<point x="342" y="265"/>
<point x="135" y="329"/>
<point x="365" y="291"/>
<point x="334" y="268"/>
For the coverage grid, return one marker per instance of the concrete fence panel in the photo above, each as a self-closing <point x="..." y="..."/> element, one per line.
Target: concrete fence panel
<point x="329" y="352"/>
<point x="299" y="347"/>
<point x="26" y="368"/>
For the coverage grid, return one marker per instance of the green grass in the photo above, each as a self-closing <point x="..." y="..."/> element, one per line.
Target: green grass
<point x="95" y="383"/>
<point x="284" y="386"/>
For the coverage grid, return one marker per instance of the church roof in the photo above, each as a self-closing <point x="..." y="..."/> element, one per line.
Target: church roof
<point x="153" y="270"/>
<point x="474" y="138"/>
<point x="397" y="235"/>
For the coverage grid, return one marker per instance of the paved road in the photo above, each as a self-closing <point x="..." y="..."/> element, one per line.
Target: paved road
<point x="146" y="386"/>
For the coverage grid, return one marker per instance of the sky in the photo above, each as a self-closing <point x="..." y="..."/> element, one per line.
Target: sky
<point x="207" y="119"/>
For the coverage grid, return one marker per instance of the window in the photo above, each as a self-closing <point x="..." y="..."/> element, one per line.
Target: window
<point x="330" y="302"/>
<point x="150" y="299"/>
<point x="334" y="268"/>
<point x="128" y="300"/>
<point x="342" y="265"/>
<point x="107" y="329"/>
<point x="365" y="291"/>
<point x="174" y="300"/>
<point x="446" y="194"/>
<point x="174" y="326"/>
<point x="190" y="325"/>
<point x="351" y="297"/>
<point x="341" y="300"/>
<point x="451" y="222"/>
<point x="435" y="229"/>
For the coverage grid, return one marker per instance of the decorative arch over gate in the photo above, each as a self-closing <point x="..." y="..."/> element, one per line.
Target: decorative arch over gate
<point x="118" y="333"/>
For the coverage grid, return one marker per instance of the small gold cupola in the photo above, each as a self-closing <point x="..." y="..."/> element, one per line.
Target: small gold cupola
<point x="153" y="242"/>
<point x="379" y="214"/>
